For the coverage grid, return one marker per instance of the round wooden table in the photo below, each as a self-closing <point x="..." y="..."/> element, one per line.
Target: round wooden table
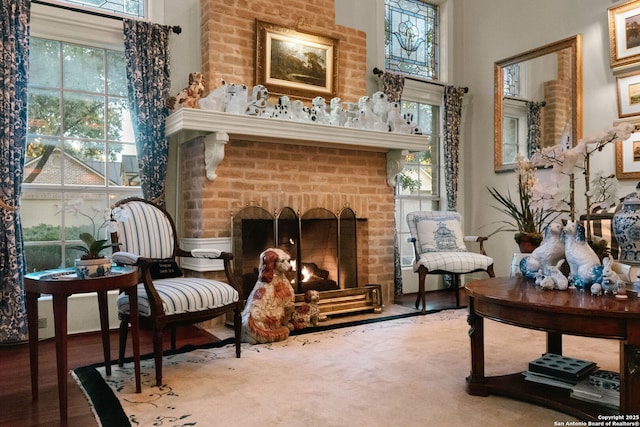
<point x="61" y="284"/>
<point x="518" y="301"/>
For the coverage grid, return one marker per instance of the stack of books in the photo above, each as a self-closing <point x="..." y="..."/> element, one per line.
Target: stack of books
<point x="559" y="371"/>
<point x="602" y="387"/>
<point x="582" y="378"/>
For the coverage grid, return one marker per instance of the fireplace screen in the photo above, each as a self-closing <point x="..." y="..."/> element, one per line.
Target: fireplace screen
<point x="322" y="245"/>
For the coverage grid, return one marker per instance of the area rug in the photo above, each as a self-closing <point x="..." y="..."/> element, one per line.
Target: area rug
<point x="408" y="371"/>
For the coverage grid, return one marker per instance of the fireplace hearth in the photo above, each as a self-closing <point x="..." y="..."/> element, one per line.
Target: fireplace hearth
<point x="323" y="248"/>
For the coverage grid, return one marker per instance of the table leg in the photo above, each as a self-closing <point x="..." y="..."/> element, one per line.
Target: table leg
<point x="32" y="321"/>
<point x="476" y="379"/>
<point x="60" y="321"/>
<point x="104" y="327"/>
<point x="134" y="318"/>
<point x="630" y="370"/>
<point x="554" y="343"/>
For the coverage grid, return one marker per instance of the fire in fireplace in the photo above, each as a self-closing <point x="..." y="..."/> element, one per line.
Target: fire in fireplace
<point x="322" y="245"/>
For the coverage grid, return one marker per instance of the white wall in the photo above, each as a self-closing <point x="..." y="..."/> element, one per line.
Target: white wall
<point x="495" y="29"/>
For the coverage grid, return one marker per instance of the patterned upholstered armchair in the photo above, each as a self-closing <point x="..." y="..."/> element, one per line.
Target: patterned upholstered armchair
<point x="440" y="248"/>
<point x="166" y="298"/>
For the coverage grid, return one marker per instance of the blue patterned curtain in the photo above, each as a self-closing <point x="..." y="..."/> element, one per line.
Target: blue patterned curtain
<point x="533" y="126"/>
<point x="452" y="118"/>
<point x="14" y="70"/>
<point x="147" y="56"/>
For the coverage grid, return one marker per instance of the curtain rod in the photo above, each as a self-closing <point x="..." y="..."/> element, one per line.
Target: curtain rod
<point x="175" y="28"/>
<point x="378" y="72"/>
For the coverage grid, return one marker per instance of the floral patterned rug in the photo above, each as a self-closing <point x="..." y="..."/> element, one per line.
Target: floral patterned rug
<point x="403" y="371"/>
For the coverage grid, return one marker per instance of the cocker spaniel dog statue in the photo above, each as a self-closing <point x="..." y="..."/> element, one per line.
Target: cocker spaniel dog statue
<point x="267" y="313"/>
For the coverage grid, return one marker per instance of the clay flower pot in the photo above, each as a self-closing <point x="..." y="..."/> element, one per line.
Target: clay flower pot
<point x="528" y="241"/>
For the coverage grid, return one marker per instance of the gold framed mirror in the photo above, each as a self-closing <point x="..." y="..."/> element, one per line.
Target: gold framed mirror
<point x="537" y="100"/>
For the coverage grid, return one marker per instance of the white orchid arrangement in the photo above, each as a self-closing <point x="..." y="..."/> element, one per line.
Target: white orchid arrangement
<point x="600" y="191"/>
<point x="94" y="244"/>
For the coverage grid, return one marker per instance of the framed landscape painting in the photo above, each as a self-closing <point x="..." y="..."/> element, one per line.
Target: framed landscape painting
<point x="624" y="33"/>
<point x="628" y="86"/>
<point x="628" y="153"/>
<point x="295" y="63"/>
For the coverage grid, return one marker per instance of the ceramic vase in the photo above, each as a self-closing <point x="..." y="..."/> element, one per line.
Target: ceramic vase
<point x="90" y="268"/>
<point x="626" y="228"/>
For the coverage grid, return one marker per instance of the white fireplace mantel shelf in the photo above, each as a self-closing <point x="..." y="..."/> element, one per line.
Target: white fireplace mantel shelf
<point x="218" y="128"/>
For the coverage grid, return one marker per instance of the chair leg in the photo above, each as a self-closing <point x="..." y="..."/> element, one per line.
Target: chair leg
<point x="157" y="351"/>
<point x="173" y="337"/>
<point x="455" y="284"/>
<point x="237" y="326"/>
<point x="124" y="330"/>
<point x="422" y="293"/>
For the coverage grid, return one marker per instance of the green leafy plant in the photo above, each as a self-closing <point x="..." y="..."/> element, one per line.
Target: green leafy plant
<point x="93" y="247"/>
<point x="527" y="217"/>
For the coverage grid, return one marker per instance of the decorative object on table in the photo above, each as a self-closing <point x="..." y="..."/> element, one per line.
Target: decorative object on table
<point x="92" y="263"/>
<point x="563" y="368"/>
<point x="271" y="302"/>
<point x="575" y="161"/>
<point x="610" y="282"/>
<point x="550" y="277"/>
<point x="528" y="215"/>
<point x="550" y="251"/>
<point x="626" y="228"/>
<point x="584" y="264"/>
<point x="190" y="95"/>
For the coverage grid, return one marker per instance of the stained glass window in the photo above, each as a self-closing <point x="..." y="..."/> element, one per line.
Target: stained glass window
<point x="129" y="8"/>
<point x="511" y="80"/>
<point x="411" y="38"/>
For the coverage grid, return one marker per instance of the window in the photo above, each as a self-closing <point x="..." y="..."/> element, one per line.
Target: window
<point x="129" y="8"/>
<point x="411" y="38"/>
<point x="80" y="154"/>
<point x="419" y="182"/>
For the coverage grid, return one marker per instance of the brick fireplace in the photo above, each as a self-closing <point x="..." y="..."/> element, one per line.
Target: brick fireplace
<point x="226" y="163"/>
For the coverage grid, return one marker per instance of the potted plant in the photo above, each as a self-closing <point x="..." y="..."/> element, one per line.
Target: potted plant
<point x="528" y="217"/>
<point x="92" y="263"/>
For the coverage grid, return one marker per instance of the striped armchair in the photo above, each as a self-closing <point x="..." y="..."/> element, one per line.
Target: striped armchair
<point x="166" y="299"/>
<point x="440" y="248"/>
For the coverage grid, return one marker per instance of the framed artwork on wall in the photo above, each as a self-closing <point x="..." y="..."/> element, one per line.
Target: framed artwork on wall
<point x="624" y="33"/>
<point x="628" y="89"/>
<point x="628" y="153"/>
<point x="295" y="63"/>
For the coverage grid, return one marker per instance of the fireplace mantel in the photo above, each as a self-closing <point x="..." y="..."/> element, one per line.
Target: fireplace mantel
<point x="219" y="128"/>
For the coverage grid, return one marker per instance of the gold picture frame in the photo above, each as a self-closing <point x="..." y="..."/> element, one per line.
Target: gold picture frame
<point x="628" y="153"/>
<point x="628" y="93"/>
<point x="624" y="33"/>
<point x="295" y="63"/>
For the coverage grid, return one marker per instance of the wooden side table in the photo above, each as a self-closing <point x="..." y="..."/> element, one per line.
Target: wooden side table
<point x="61" y="284"/>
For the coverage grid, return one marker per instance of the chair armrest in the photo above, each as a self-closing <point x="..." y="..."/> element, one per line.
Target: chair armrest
<point x="413" y="240"/>
<point x="477" y="239"/>
<point x="206" y="253"/>
<point x="125" y="258"/>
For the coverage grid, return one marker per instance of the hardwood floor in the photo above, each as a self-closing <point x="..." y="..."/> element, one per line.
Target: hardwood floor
<point x="18" y="410"/>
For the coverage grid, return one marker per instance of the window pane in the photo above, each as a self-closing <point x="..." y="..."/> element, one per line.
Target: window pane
<point x="116" y="74"/>
<point x="133" y="8"/>
<point x="44" y="112"/>
<point x="120" y="126"/>
<point x="44" y="62"/>
<point x="83" y="68"/>
<point x="84" y="163"/>
<point x="411" y="41"/>
<point x="43" y="163"/>
<point x="83" y="116"/>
